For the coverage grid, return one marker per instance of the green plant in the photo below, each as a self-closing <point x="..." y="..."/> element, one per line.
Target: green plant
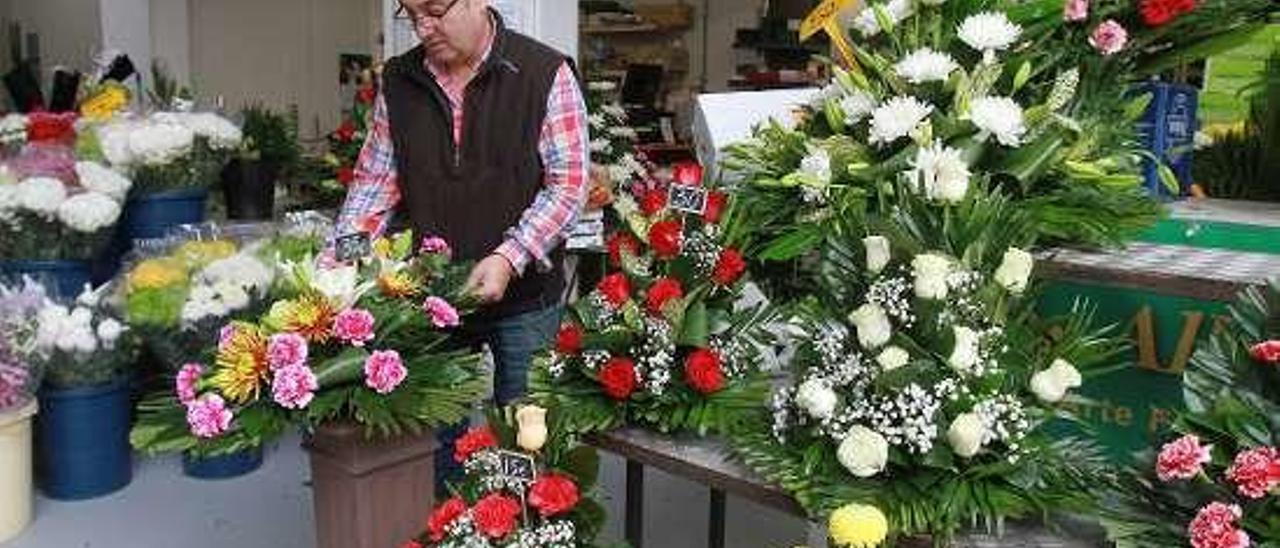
<point x="1242" y="162"/>
<point x="270" y="137"/>
<point x="165" y="92"/>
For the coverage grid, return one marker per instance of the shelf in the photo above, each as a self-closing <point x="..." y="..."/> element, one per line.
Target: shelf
<point x="622" y="29"/>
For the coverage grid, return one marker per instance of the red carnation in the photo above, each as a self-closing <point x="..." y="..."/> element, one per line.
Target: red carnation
<point x="653" y="201"/>
<point x="346" y="174"/>
<point x="553" y="494"/>
<point x="665" y="237"/>
<point x="1160" y="12"/>
<point x="365" y="95"/>
<point x="569" y="339"/>
<point x="1267" y="352"/>
<point x="618" y="376"/>
<point x="716" y="201"/>
<point x="1255" y="472"/>
<point x="729" y="267"/>
<point x="474" y="440"/>
<point x="619" y="242"/>
<point x="615" y="288"/>
<point x="687" y="173"/>
<point x="703" y="372"/>
<point x="495" y="515"/>
<point x="444" y="516"/>
<point x="345" y="132"/>
<point x="51" y="127"/>
<point x="662" y="292"/>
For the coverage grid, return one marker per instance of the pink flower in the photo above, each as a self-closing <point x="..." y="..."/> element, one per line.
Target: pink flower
<point x="1215" y="527"/>
<point x="1255" y="471"/>
<point x="383" y="371"/>
<point x="208" y="416"/>
<point x="442" y="313"/>
<point x="1182" y="458"/>
<point x="1109" y="38"/>
<point x="224" y="335"/>
<point x="294" y="386"/>
<point x="1075" y="10"/>
<point x="286" y="350"/>
<point x="435" y="245"/>
<point x="185" y="384"/>
<point x="13" y="384"/>
<point x="354" y="325"/>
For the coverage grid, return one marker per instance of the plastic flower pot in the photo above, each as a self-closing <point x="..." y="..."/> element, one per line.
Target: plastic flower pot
<point x="67" y="277"/>
<point x="250" y="190"/>
<point x="231" y="465"/>
<point x="16" y="493"/>
<point x="82" y="440"/>
<point x="152" y="215"/>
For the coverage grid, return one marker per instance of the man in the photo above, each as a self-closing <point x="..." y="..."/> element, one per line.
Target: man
<point x="480" y="136"/>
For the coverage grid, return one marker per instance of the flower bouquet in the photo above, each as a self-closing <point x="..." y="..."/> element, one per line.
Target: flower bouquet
<point x="83" y="344"/>
<point x="1218" y="484"/>
<point x="168" y="150"/>
<point x="19" y="374"/>
<point x="367" y="343"/>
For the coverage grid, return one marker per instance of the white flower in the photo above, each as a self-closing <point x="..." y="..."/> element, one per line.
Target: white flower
<point x="942" y="172"/>
<point x="113" y="139"/>
<point x="13" y="129"/>
<point x="817" y="398"/>
<point x="1052" y="384"/>
<point x="866" y="23"/>
<point x="964" y="355"/>
<point x="41" y="195"/>
<point x="100" y="178"/>
<point x="242" y="269"/>
<point x="989" y="31"/>
<point x="1000" y="116"/>
<point x="597" y="121"/>
<point x="89" y="212"/>
<point x="600" y="145"/>
<point x="877" y="253"/>
<point x="109" y="330"/>
<point x="81" y="317"/>
<point x="872" y="324"/>
<point x="159" y="144"/>
<point x="817" y="164"/>
<point x="966" y="434"/>
<point x="50" y="323"/>
<point x="933" y="2"/>
<point x="219" y="131"/>
<point x="864" y="452"/>
<point x="892" y="358"/>
<point x="532" y="434"/>
<point x="614" y="110"/>
<point x="925" y="65"/>
<point x="931" y="272"/>
<point x="232" y="296"/>
<point x="856" y="106"/>
<point x="896" y="118"/>
<point x="1014" y="270"/>
<point x="337" y="284"/>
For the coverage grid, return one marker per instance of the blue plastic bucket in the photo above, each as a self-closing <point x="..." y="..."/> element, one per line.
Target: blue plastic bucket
<point x="82" y="441"/>
<point x="219" y="467"/>
<point x="152" y="215"/>
<point x="68" y="278"/>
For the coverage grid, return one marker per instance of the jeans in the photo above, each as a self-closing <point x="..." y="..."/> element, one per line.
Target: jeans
<point x="513" y="341"/>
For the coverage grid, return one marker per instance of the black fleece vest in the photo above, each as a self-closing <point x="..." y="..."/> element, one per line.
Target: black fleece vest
<point x="473" y="193"/>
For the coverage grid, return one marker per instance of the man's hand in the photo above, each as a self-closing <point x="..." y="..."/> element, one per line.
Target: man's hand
<point x="488" y="280"/>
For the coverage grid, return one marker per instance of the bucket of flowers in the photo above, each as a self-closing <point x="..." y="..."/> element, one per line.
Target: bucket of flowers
<point x="19" y="381"/>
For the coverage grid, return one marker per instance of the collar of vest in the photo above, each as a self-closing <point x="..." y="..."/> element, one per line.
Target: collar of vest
<point x="498" y="59"/>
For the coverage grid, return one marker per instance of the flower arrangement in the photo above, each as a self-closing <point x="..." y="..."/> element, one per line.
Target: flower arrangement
<point x="520" y="490"/>
<point x="365" y="342"/>
<point x="168" y="150"/>
<point x="82" y="344"/>
<point x="19" y="372"/>
<point x="1217" y="484"/>
<point x="44" y="217"/>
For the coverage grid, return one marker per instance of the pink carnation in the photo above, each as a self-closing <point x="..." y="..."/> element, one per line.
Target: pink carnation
<point x="1075" y="10"/>
<point x="286" y="350"/>
<point x="383" y="371"/>
<point x="1255" y="472"/>
<point x="1215" y="527"/>
<point x="224" y="335"/>
<point x="208" y="416"/>
<point x="354" y="325"/>
<point x="442" y="313"/>
<point x="1109" y="38"/>
<point x="185" y="384"/>
<point x="435" y="245"/>
<point x="1182" y="458"/>
<point x="294" y="386"/>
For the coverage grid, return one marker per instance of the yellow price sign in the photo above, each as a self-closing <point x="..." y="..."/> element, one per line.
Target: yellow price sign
<point x="825" y="18"/>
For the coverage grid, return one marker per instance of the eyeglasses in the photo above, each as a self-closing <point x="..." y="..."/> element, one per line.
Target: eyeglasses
<point x="431" y="11"/>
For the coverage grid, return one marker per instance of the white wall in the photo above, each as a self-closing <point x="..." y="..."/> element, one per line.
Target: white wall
<point x="171" y="37"/>
<point x="126" y="26"/>
<point x="70" y="31"/>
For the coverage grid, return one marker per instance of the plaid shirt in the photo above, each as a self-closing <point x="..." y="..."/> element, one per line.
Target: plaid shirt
<point x="373" y="194"/>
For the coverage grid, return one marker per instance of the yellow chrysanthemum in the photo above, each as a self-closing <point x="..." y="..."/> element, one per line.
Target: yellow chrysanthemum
<point x="197" y="254"/>
<point x="156" y="273"/>
<point x="104" y="104"/>
<point x="242" y="364"/>
<point x="310" y="315"/>
<point x="858" y="526"/>
<point x="399" y="285"/>
<point x="382" y="248"/>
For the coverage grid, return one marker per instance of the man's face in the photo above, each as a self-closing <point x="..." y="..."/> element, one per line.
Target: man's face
<point x="449" y="29"/>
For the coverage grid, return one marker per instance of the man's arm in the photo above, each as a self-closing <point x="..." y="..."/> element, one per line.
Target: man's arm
<point x="373" y="194"/>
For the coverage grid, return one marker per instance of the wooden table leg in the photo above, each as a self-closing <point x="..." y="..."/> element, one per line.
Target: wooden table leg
<point x="715" y="525"/>
<point x="635" y="504"/>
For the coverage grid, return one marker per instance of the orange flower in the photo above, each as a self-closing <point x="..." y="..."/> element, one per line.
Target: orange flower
<point x="399" y="285"/>
<point x="242" y="365"/>
<point x="310" y="315"/>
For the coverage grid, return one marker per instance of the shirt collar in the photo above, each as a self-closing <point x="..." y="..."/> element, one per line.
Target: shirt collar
<point x="488" y="41"/>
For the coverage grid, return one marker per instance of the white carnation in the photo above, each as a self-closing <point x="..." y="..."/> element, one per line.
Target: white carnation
<point x="51" y="321"/>
<point x="41" y="195"/>
<point x="1014" y="270"/>
<point x="931" y="272"/>
<point x="872" y="324"/>
<point x="989" y="31"/>
<point x="966" y="434"/>
<point x="817" y="398"/>
<point x="864" y="452"/>
<point x="100" y="178"/>
<point x="158" y="144"/>
<point x="893" y="357"/>
<point x="1000" y="116"/>
<point x="964" y="355"/>
<point x="897" y="117"/>
<point x="109" y="331"/>
<point x="941" y="171"/>
<point x="878" y="253"/>
<point x="926" y="65"/>
<point x="89" y="212"/>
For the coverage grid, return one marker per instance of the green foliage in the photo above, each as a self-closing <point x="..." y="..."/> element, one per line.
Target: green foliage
<point x="1241" y="163"/>
<point x="269" y="136"/>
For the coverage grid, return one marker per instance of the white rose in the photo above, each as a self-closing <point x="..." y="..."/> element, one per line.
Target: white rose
<point x="864" y="452"/>
<point x="532" y="434"/>
<point x="964" y="355"/>
<point x="966" y="434"/>
<point x="109" y="330"/>
<point x="817" y="398"/>
<point x="1052" y="384"/>
<point x="100" y="178"/>
<point x="1014" y="270"/>
<point x="89" y="212"/>
<point x="878" y="253"/>
<point x="931" y="273"/>
<point x="41" y="195"/>
<point x="892" y="358"/>
<point x="872" y="324"/>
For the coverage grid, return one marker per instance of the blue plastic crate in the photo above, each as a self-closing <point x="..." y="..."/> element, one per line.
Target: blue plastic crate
<point x="1168" y="129"/>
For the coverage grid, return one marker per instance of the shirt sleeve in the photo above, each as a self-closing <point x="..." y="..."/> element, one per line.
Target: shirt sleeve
<point x="565" y="158"/>
<point x="373" y="194"/>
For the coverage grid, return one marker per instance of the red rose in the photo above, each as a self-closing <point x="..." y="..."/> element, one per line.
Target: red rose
<point x="653" y="201"/>
<point x="619" y="242"/>
<point x="665" y="237"/>
<point x="1267" y="352"/>
<point x="615" y="288"/>
<point x="553" y="494"/>
<point x="365" y="95"/>
<point x="729" y="267"/>
<point x="569" y="339"/>
<point x="346" y="174"/>
<point x="51" y="127"/>
<point x="687" y="173"/>
<point x="618" y="376"/>
<point x="474" y="440"/>
<point x="703" y="372"/>
<point x="716" y="201"/>
<point x="495" y="515"/>
<point x="444" y="516"/>
<point x="1160" y="12"/>
<point x="662" y="292"/>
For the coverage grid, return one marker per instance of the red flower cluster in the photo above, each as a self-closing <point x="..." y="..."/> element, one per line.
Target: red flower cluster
<point x="569" y="339"/>
<point x="653" y="202"/>
<point x="443" y="517"/>
<point x="618" y="243"/>
<point x="495" y="515"/>
<point x="51" y="127"/>
<point x="615" y="288"/>
<point x="1160" y="12"/>
<point x="345" y="132"/>
<point x="553" y="494"/>
<point x="665" y="238"/>
<point x="729" y="267"/>
<point x="702" y="370"/>
<point x="1267" y="352"/>
<point x="474" y="440"/>
<point x="1255" y="472"/>
<point x="618" y="377"/>
<point x="366" y="95"/>
<point x="663" y="291"/>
